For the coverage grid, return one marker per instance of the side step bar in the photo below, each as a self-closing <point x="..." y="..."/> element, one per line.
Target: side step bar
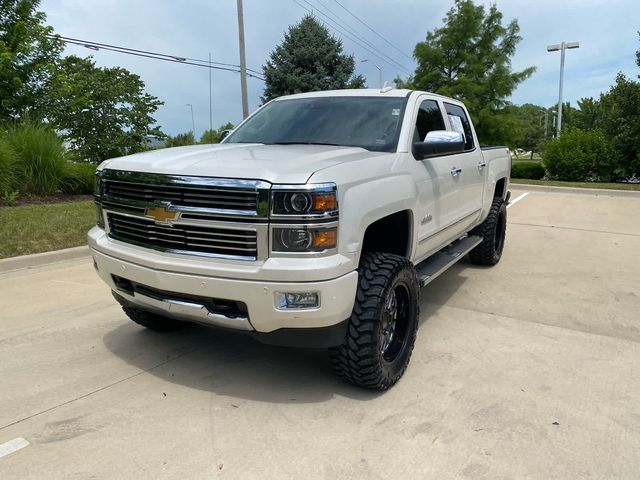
<point x="433" y="266"/>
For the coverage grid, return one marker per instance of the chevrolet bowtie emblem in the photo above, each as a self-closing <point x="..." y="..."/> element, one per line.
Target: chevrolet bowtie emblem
<point x="161" y="215"/>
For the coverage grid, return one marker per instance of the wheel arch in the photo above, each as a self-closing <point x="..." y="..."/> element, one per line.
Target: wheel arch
<point x="392" y="233"/>
<point x="500" y="188"/>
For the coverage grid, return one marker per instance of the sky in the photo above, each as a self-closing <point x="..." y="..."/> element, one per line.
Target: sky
<point x="606" y="30"/>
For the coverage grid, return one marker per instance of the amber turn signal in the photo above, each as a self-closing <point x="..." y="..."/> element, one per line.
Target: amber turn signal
<point x="325" y="239"/>
<point x="324" y="201"/>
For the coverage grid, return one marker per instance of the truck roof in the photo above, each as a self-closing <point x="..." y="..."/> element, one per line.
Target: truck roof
<point x="365" y="92"/>
<point x="360" y="92"/>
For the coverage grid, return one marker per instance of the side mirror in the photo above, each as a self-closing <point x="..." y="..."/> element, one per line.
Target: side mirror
<point x="439" y="142"/>
<point x="224" y="134"/>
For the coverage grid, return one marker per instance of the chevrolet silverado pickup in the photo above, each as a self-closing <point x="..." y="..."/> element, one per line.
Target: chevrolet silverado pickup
<point x="314" y="223"/>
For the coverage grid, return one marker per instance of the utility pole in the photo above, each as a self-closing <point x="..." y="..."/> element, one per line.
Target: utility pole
<point x="210" y="105"/>
<point x="546" y="122"/>
<point x="243" y="62"/>
<point x="193" y="122"/>
<point x="554" y="48"/>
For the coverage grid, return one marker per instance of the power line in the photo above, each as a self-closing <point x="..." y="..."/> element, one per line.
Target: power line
<point x="348" y="27"/>
<point x="350" y="33"/>
<point x="340" y="30"/>
<point x="158" y="56"/>
<point x="373" y="30"/>
<point x="89" y="43"/>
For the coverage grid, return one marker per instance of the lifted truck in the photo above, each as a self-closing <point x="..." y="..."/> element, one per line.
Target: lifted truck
<point x="315" y="223"/>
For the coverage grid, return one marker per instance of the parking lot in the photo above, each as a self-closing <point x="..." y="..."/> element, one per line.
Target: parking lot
<point x="530" y="369"/>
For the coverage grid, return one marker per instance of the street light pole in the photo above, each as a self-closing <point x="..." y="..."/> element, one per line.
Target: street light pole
<point x="243" y="62"/>
<point x="193" y="122"/>
<point x="554" y="48"/>
<point x="210" y="105"/>
<point x="377" y="66"/>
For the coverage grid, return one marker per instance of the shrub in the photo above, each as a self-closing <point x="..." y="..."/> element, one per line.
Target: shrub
<point x="530" y="170"/>
<point x="78" y="178"/>
<point x="8" y="167"/>
<point x="580" y="156"/>
<point x="41" y="157"/>
<point x="181" y="140"/>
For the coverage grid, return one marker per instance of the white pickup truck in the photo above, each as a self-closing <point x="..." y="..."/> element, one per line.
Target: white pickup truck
<point x="315" y="223"/>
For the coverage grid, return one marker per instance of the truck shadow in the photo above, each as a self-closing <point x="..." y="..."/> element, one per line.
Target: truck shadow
<point x="234" y="365"/>
<point x="231" y="364"/>
<point x="439" y="292"/>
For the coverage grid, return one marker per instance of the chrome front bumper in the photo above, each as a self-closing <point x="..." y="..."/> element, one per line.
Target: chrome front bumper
<point x="186" y="295"/>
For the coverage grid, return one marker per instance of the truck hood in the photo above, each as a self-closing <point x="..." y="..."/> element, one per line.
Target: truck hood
<point x="273" y="163"/>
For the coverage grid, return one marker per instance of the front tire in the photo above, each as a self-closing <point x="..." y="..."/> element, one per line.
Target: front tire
<point x="493" y="232"/>
<point x="382" y="327"/>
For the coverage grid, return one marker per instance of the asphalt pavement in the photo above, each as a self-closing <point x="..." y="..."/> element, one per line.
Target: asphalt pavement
<point x="530" y="369"/>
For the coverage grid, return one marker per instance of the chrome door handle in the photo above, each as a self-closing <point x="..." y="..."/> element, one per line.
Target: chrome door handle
<point x="456" y="171"/>
<point x="481" y="165"/>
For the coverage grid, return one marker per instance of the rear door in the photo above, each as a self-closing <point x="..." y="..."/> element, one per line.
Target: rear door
<point x="439" y="200"/>
<point x="468" y="168"/>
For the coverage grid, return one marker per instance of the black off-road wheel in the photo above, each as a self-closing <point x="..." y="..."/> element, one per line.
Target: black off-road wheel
<point x="493" y="232"/>
<point x="382" y="327"/>
<point x="152" y="321"/>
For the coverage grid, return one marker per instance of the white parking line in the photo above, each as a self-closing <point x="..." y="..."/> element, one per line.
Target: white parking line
<point x="517" y="199"/>
<point x="11" y="446"/>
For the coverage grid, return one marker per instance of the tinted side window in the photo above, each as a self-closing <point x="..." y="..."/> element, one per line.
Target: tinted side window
<point x="429" y="119"/>
<point x="460" y="123"/>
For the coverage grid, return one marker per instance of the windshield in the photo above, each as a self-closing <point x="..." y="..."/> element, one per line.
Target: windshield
<point x="368" y="122"/>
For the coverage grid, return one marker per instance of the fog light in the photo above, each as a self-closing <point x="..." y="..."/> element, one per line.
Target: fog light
<point x="297" y="300"/>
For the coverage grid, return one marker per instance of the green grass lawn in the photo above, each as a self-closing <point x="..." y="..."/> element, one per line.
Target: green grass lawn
<point x="554" y="183"/>
<point x="41" y="228"/>
<point x="527" y="158"/>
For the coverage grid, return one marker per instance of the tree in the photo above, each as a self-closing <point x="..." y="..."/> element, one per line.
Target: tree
<point x="530" y="129"/>
<point x="28" y="52"/>
<point x="180" y="140"/>
<point x="638" y="55"/>
<point x="620" y="121"/>
<point x="469" y="58"/>
<point x="308" y="59"/>
<point x="213" y="136"/>
<point x="103" y="112"/>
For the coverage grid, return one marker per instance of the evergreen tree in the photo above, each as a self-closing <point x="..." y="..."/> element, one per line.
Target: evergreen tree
<point x="308" y="59"/>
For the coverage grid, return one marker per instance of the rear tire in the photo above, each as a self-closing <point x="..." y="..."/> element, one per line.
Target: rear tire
<point x="152" y="321"/>
<point x="382" y="327"/>
<point x="493" y="232"/>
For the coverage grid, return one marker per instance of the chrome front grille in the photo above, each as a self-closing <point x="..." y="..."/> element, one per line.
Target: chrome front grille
<point x="225" y="218"/>
<point x="196" y="196"/>
<point x="184" y="238"/>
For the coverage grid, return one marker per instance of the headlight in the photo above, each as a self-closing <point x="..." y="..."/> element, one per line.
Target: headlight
<point x="304" y="239"/>
<point x="97" y="195"/>
<point x="319" y="200"/>
<point x="99" y="216"/>
<point x="97" y="185"/>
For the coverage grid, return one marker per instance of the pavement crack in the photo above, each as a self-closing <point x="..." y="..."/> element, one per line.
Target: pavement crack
<point x="575" y="228"/>
<point x="518" y="319"/>
<point x="97" y="390"/>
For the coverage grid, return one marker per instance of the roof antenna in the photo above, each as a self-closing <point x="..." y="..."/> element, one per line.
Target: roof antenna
<point x="386" y="88"/>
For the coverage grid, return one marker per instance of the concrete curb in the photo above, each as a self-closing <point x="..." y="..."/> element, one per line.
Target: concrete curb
<point x="39" y="259"/>
<point x="576" y="190"/>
